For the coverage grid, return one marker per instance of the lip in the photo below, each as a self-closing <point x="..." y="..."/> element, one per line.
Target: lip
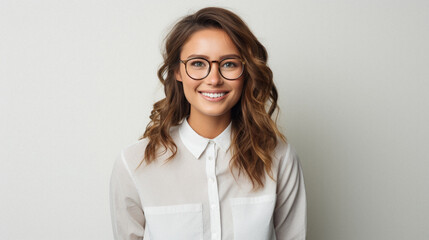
<point x="214" y="99"/>
<point x="214" y="91"/>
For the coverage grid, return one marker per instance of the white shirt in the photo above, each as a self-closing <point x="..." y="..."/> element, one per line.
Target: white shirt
<point x="195" y="197"/>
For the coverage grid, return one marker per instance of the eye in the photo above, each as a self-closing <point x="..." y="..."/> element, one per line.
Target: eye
<point x="229" y="64"/>
<point x="197" y="63"/>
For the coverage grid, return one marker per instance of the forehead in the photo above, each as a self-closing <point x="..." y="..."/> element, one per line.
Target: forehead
<point x="212" y="43"/>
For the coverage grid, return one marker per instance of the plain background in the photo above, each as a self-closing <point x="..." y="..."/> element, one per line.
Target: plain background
<point x="78" y="80"/>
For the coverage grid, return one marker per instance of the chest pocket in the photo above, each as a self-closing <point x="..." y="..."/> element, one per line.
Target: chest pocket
<point x="253" y="217"/>
<point x="174" y="222"/>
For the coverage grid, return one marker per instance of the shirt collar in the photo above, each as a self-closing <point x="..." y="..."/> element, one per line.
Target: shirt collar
<point x="196" y="144"/>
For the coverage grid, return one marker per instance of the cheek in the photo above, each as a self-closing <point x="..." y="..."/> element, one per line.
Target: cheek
<point x="189" y="88"/>
<point x="239" y="88"/>
<point x="237" y="95"/>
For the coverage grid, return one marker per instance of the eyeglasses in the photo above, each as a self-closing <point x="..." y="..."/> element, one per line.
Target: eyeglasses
<point x="199" y="68"/>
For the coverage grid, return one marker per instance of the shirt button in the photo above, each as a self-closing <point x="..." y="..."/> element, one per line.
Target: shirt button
<point x="214" y="236"/>
<point x="213" y="206"/>
<point x="211" y="180"/>
<point x="210" y="158"/>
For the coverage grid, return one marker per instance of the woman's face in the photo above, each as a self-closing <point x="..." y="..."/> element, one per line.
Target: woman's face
<point x="213" y="96"/>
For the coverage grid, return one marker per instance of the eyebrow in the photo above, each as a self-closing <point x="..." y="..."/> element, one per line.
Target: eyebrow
<point x="207" y="57"/>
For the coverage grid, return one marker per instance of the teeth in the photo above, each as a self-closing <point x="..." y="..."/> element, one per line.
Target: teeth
<point x="213" y="95"/>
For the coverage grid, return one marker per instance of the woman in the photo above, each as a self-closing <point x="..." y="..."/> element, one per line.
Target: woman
<point x="212" y="163"/>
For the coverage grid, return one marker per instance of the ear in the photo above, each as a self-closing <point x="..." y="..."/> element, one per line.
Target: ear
<point x="177" y="75"/>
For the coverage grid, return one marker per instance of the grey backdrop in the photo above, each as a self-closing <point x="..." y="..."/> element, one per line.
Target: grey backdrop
<point x="78" y="79"/>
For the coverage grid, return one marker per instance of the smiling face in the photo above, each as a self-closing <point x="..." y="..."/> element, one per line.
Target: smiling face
<point x="213" y="97"/>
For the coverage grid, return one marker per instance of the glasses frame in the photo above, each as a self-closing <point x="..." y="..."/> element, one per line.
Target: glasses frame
<point x="210" y="67"/>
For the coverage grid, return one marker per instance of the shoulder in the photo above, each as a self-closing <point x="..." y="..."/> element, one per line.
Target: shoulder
<point x="133" y="154"/>
<point x="283" y="149"/>
<point x="284" y="154"/>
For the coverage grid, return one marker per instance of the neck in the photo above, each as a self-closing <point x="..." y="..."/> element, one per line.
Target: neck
<point x="207" y="126"/>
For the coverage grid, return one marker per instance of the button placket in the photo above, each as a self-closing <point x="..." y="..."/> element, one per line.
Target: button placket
<point x="213" y="191"/>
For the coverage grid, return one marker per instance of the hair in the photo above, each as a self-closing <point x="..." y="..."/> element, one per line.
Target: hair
<point x="254" y="133"/>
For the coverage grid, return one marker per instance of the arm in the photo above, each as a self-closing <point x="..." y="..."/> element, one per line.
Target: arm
<point x="125" y="207"/>
<point x="290" y="214"/>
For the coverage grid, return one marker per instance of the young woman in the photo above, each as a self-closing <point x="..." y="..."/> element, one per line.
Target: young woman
<point x="212" y="163"/>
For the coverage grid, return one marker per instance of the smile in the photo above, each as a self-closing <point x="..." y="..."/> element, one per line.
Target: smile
<point x="214" y="95"/>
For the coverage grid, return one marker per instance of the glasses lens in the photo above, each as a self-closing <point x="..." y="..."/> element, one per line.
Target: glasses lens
<point x="197" y="68"/>
<point x="231" y="68"/>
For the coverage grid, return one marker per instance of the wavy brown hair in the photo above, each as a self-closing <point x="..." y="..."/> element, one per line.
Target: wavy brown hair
<point x="254" y="133"/>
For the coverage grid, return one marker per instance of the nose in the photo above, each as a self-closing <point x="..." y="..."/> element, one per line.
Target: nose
<point x="214" y="78"/>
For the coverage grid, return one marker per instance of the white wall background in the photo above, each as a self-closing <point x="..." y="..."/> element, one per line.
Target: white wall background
<point x="78" y="79"/>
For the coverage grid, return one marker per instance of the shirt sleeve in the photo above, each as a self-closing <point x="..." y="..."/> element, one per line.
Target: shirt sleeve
<point x="128" y="220"/>
<point x="290" y="216"/>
